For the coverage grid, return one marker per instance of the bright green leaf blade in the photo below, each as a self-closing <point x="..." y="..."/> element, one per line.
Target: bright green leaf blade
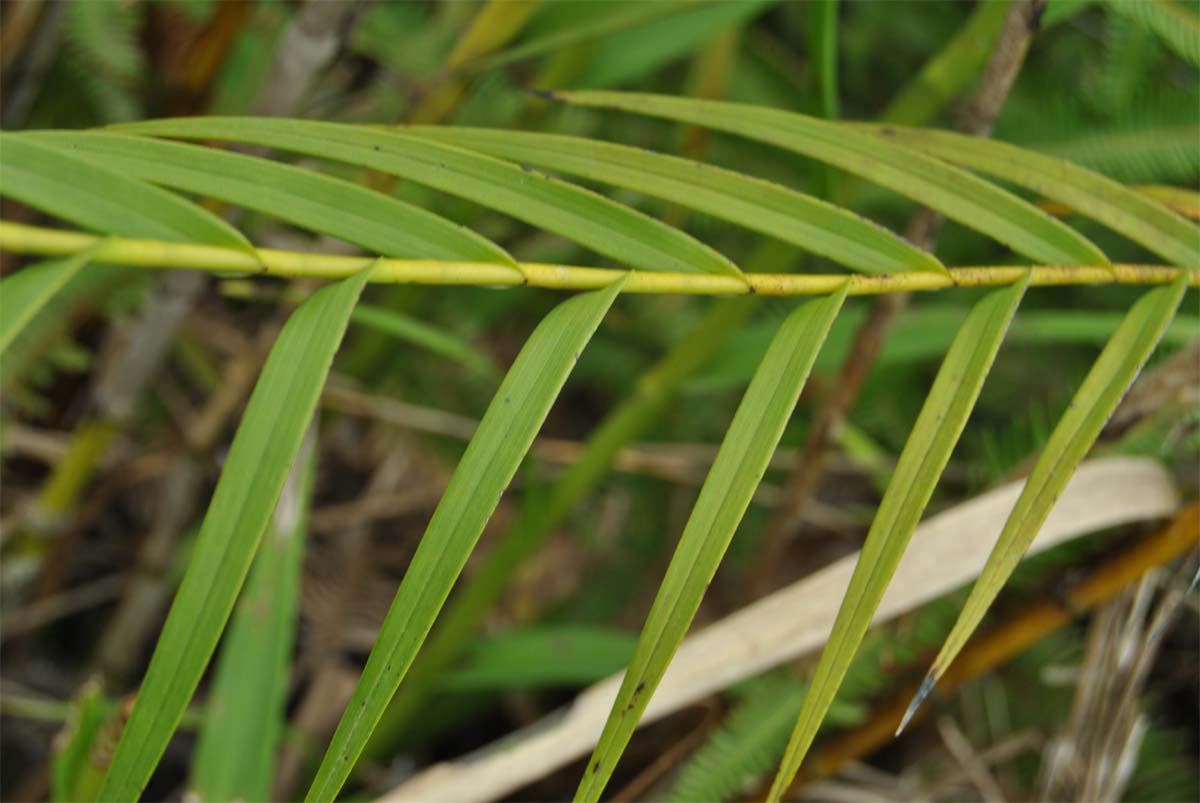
<point x="101" y="199"/>
<point x="823" y="53"/>
<point x="954" y="192"/>
<point x="575" y="213"/>
<point x="306" y="198"/>
<point x="1124" y="210"/>
<point x="77" y="765"/>
<point x="938" y="427"/>
<point x="1177" y="25"/>
<point x="1093" y="404"/>
<point x="28" y="290"/>
<point x="504" y="436"/>
<point x="762" y="206"/>
<point x="411" y="330"/>
<point x="262" y="452"/>
<point x="245" y="713"/>
<point x="732" y="481"/>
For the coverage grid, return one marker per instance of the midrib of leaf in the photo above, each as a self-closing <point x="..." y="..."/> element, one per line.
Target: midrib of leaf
<point x="1116" y="368"/>
<point x="580" y="215"/>
<point x="498" y="447"/>
<point x="252" y="479"/>
<point x="735" y="474"/>
<point x="956" y="193"/>
<point x="924" y="457"/>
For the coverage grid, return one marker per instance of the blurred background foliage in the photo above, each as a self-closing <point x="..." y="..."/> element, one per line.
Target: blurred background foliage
<point x="86" y="510"/>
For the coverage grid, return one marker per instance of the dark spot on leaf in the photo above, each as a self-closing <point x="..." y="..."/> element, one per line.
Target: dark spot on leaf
<point x="888" y="131"/>
<point x="595" y="767"/>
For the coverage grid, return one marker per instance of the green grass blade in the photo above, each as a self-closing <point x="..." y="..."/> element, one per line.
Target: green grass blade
<point x="921" y="463"/>
<point x="492" y="457"/>
<point x="955" y="193"/>
<point x="412" y="330"/>
<point x="103" y="200"/>
<point x="28" y="290"/>
<point x="1137" y="216"/>
<point x="303" y="197"/>
<point x="1102" y="389"/>
<point x="761" y="206"/>
<point x="245" y="713"/>
<point x="262" y="452"/>
<point x="822" y="31"/>
<point x="735" y="475"/>
<point x="580" y="215"/>
<point x="544" y="656"/>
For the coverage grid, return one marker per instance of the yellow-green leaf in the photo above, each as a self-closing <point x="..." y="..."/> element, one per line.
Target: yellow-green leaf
<point x="1132" y="213"/>
<point x="580" y="215"/>
<point x="28" y="290"/>
<point x="304" y="197"/>
<point x="762" y="206"/>
<point x="955" y="193"/>
<point x="938" y="427"/>
<point x="262" y="452"/>
<point x="104" y="200"/>
<point x="1102" y="389"/>
<point x="736" y="472"/>
<point x="499" y="445"/>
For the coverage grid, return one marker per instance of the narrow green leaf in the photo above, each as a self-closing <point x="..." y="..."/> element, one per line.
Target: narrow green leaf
<point x="306" y="198"/>
<point x="25" y="292"/>
<point x="245" y="713"/>
<point x="545" y="656"/>
<point x="580" y="215"/>
<point x="1122" y="209"/>
<point x="101" y="199"/>
<point x="732" y="481"/>
<point x="955" y="193"/>
<point x="921" y="463"/>
<point x="412" y="330"/>
<point x="263" y="449"/>
<point x="77" y="765"/>
<point x="1102" y="389"/>
<point x="762" y="206"/>
<point x="823" y="53"/>
<point x="504" y="436"/>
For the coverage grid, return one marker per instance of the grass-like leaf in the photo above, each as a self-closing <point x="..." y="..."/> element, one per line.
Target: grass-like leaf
<point x="413" y="330"/>
<point x="921" y="463"/>
<point x="762" y="206"/>
<point x="504" y="436"/>
<point x="262" y="452"/>
<point x="579" y="215"/>
<point x="543" y="656"/>
<point x="1102" y="389"/>
<point x="244" y="714"/>
<point x="375" y="221"/>
<point x="25" y="292"/>
<point x="104" y="200"/>
<point x="1124" y="210"/>
<point x="743" y="457"/>
<point x="1175" y="23"/>
<point x="955" y="193"/>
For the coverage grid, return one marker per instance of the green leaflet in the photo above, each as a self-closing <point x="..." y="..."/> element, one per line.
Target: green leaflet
<point x="1124" y="210"/>
<point x="735" y="475"/>
<point x="921" y="463"/>
<point x="1093" y="404"/>
<point x="431" y="338"/>
<point x="492" y="457"/>
<point x="25" y="292"/>
<point x="762" y="206"/>
<point x="306" y="198"/>
<point x="104" y="200"/>
<point x="955" y="193"/>
<point x="575" y="213"/>
<point x="245" y="712"/>
<point x="76" y="768"/>
<point x="262" y="452"/>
